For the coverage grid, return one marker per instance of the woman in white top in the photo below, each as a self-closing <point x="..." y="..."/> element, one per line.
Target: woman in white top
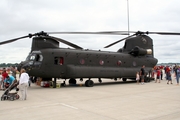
<point x="23" y="84"/>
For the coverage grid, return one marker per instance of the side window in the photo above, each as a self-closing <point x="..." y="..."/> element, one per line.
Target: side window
<point x="39" y="57"/>
<point x="58" y="60"/>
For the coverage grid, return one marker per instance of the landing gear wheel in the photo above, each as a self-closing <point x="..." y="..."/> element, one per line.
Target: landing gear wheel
<point x="72" y="81"/>
<point x="89" y="83"/>
<point x="124" y="79"/>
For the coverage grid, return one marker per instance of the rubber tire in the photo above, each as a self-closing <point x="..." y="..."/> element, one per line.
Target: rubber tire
<point x="89" y="83"/>
<point x="124" y="79"/>
<point x="72" y="81"/>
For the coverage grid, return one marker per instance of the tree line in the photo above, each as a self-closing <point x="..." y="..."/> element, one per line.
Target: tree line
<point x="8" y="64"/>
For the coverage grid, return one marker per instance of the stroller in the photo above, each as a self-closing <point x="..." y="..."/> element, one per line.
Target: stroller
<point x="8" y="95"/>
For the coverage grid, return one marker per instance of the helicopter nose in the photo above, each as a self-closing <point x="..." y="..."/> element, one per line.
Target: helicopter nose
<point x="25" y="64"/>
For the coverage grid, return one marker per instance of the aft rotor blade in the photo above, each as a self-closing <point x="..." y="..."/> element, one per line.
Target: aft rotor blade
<point x="102" y="32"/>
<point x="66" y="42"/>
<point x="12" y="40"/>
<point x="119" y="41"/>
<point x="164" y="33"/>
<point x="160" y="33"/>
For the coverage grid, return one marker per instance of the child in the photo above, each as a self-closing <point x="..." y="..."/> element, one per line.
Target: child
<point x="158" y="75"/>
<point x="137" y="77"/>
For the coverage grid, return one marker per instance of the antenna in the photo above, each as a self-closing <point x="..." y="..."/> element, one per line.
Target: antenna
<point x="128" y="14"/>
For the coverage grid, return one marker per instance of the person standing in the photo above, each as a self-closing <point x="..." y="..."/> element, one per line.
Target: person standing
<point x="158" y="75"/>
<point x="177" y="73"/>
<point x="137" y="77"/>
<point x="161" y="73"/>
<point x="142" y="73"/>
<point x="4" y="74"/>
<point x="1" y="80"/>
<point x="23" y="84"/>
<point x="168" y="73"/>
<point x="13" y="70"/>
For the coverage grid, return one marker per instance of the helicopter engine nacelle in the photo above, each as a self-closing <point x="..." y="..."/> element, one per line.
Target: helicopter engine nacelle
<point x="137" y="51"/>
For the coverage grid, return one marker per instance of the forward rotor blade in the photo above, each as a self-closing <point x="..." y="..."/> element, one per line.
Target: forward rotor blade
<point x="119" y="41"/>
<point x="12" y="40"/>
<point x="103" y="32"/>
<point x="66" y="42"/>
<point x="30" y="35"/>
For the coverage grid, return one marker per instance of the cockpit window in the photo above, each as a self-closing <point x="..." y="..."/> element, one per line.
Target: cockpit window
<point x="32" y="57"/>
<point x="36" y="57"/>
<point x="28" y="57"/>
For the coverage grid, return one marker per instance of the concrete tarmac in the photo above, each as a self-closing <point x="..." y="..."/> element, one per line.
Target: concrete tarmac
<point x="105" y="101"/>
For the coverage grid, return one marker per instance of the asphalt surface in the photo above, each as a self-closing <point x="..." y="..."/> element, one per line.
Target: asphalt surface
<point x="110" y="100"/>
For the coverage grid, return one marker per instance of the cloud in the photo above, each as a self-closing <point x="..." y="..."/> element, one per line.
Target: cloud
<point x="19" y="18"/>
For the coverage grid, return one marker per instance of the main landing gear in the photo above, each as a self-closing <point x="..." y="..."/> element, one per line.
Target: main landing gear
<point x="124" y="79"/>
<point x="89" y="83"/>
<point x="72" y="81"/>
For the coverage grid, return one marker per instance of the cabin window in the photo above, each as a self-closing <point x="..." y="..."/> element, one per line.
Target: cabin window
<point x="119" y="62"/>
<point x="82" y="61"/>
<point x="134" y="63"/>
<point x="58" y="60"/>
<point x="61" y="61"/>
<point x="101" y="62"/>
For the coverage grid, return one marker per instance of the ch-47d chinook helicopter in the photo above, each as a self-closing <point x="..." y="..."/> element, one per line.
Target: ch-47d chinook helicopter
<point x="47" y="60"/>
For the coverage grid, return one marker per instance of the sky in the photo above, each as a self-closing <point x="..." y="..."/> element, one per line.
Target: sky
<point x="21" y="17"/>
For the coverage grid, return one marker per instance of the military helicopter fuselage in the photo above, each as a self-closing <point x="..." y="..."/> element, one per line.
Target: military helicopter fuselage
<point x="47" y="60"/>
<point x="70" y="63"/>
